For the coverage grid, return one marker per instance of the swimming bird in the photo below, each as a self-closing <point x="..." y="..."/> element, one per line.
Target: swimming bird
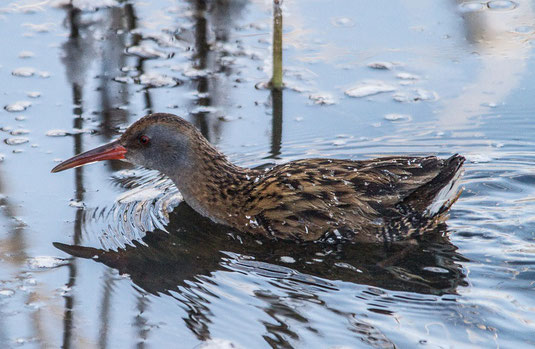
<point x="380" y="200"/>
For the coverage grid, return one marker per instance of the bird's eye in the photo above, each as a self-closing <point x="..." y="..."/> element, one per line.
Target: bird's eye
<point x="144" y="140"/>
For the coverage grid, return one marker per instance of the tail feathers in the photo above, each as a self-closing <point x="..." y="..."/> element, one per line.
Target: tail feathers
<point x="437" y="196"/>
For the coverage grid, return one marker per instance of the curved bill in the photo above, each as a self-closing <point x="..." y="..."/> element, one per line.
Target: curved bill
<point x="110" y="151"/>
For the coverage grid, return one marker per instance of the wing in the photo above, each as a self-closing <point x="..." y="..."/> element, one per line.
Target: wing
<point x="304" y="199"/>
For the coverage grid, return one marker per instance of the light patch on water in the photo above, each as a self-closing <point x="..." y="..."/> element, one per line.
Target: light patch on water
<point x="407" y="76"/>
<point x="145" y="51"/>
<point x="19" y="132"/>
<point x="45" y="262"/>
<point x="6" y="292"/>
<point x="33" y="94"/>
<point x="218" y="343"/>
<point x="398" y="117"/>
<point x="153" y="79"/>
<point x="23" y="72"/>
<point x="39" y="28"/>
<point x="369" y="88"/>
<point x="381" y="65"/>
<point x="26" y="54"/>
<point x="44" y="74"/>
<point x="56" y="133"/>
<point x="16" y="140"/>
<point x="322" y="98"/>
<point x="85" y="5"/>
<point x="343" y="22"/>
<point x="17" y="106"/>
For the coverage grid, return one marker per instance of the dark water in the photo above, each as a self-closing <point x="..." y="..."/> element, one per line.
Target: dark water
<point x="149" y="272"/>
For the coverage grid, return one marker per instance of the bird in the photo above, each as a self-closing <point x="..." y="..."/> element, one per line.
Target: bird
<point x="387" y="199"/>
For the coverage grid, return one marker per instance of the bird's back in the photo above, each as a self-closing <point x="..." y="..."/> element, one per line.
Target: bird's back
<point x="359" y="200"/>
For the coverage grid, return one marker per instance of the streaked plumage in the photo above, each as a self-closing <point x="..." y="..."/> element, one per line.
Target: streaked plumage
<point x="377" y="200"/>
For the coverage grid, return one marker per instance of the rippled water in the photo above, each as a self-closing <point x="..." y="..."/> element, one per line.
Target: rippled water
<point x="109" y="256"/>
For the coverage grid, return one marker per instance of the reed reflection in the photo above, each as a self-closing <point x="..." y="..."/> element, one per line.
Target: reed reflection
<point x="212" y="21"/>
<point x="79" y="56"/>
<point x="276" y="83"/>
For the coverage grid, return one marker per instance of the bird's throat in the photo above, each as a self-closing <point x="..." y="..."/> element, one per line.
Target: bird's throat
<point x="212" y="185"/>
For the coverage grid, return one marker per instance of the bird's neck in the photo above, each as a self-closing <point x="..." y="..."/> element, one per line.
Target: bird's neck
<point x="211" y="184"/>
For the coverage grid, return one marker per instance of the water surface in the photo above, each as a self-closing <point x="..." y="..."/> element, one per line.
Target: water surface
<point x="133" y="266"/>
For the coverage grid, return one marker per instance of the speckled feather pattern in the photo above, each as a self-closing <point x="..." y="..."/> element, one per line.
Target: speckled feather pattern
<point x="368" y="201"/>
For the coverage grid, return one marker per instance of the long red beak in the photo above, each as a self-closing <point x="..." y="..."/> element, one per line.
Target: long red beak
<point x="110" y="151"/>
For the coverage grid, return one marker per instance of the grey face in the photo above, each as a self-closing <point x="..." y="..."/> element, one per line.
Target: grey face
<point x="159" y="147"/>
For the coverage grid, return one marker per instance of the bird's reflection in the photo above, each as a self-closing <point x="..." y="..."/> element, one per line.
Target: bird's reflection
<point x="166" y="263"/>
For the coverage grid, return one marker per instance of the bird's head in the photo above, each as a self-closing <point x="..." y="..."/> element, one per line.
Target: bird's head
<point x="163" y="142"/>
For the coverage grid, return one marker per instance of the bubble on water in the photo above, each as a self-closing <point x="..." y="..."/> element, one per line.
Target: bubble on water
<point x="322" y="98"/>
<point x="147" y="52"/>
<point x="471" y="6"/>
<point x="157" y="80"/>
<point x="21" y="340"/>
<point x="218" y="343"/>
<point x="339" y="142"/>
<point x="287" y="259"/>
<point x="19" y="132"/>
<point x="425" y="95"/>
<point x="26" y="54"/>
<point x="128" y="68"/>
<point x="415" y="96"/>
<point x="204" y="109"/>
<point x="23" y="72"/>
<point x="193" y="73"/>
<point x="45" y="262"/>
<point x="343" y="22"/>
<point x="6" y="292"/>
<point x="85" y="5"/>
<point x="34" y="94"/>
<point x="368" y="88"/>
<point x="39" y="28"/>
<point x="397" y="117"/>
<point x="124" y="79"/>
<point x="502" y="5"/>
<point x="407" y="76"/>
<point x="16" y="140"/>
<point x="299" y="118"/>
<point x="44" y="74"/>
<point x="77" y="131"/>
<point x="57" y="133"/>
<point x="381" y="65"/>
<point x="77" y="204"/>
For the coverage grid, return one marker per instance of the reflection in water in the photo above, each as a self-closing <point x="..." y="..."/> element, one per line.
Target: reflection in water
<point x="167" y="263"/>
<point x="276" y="123"/>
<point x="276" y="83"/>
<point x="503" y="52"/>
<point x="80" y="52"/>
<point x="75" y="46"/>
<point x="211" y="21"/>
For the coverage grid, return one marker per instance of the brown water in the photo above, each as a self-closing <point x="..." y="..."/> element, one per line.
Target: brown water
<point x="143" y="270"/>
